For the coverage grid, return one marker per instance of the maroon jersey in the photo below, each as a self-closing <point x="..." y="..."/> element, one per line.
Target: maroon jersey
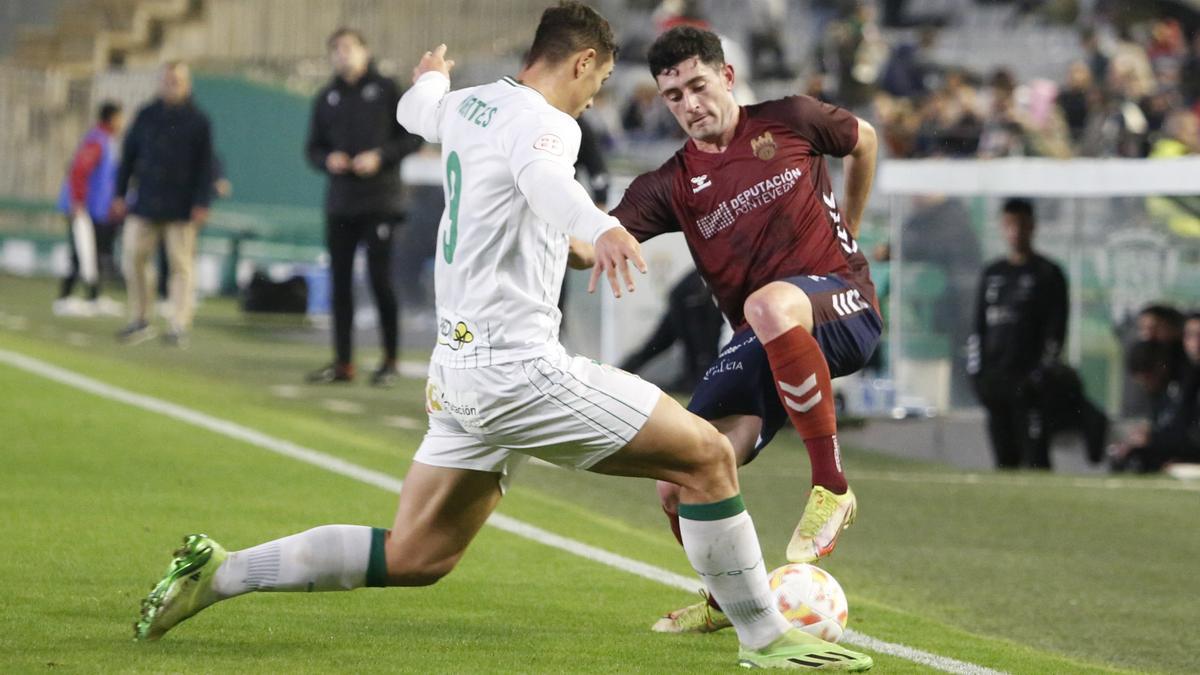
<point x="761" y="211"/>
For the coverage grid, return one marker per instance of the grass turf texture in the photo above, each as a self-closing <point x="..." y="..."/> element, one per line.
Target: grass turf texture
<point x="1032" y="577"/>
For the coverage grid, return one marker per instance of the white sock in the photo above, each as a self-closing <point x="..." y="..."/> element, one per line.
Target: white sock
<point x="723" y="548"/>
<point x="326" y="558"/>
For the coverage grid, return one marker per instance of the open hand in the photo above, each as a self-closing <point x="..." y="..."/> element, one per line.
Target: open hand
<point x="613" y="251"/>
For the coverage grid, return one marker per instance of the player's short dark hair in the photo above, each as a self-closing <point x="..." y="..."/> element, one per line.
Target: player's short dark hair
<point x="108" y="110"/>
<point x="682" y="43"/>
<point x="1021" y="208"/>
<point x="568" y="28"/>
<point x="345" y="31"/>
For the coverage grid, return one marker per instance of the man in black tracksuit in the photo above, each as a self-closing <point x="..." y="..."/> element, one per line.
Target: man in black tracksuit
<point x="1014" y="353"/>
<point x="355" y="139"/>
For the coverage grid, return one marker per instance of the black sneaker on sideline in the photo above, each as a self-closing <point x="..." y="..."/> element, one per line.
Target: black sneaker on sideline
<point x="385" y="376"/>
<point x="330" y="374"/>
<point x="136" y="332"/>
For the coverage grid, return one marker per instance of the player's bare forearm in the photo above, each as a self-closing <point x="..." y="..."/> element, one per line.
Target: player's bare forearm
<point x="859" y="167"/>
<point x="581" y="255"/>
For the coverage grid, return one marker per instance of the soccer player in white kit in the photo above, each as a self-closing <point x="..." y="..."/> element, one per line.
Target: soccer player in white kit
<point x="501" y="387"/>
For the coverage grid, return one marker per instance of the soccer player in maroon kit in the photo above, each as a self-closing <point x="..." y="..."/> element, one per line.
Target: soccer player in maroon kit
<point x="752" y="194"/>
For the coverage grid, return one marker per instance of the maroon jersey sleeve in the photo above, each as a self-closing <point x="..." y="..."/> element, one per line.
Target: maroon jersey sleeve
<point x="831" y="130"/>
<point x="645" y="209"/>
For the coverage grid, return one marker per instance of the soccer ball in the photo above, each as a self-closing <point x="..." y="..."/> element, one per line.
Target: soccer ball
<point x="811" y="599"/>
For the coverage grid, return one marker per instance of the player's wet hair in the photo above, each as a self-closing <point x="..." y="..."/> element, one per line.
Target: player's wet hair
<point x="1021" y="208"/>
<point x="682" y="43"/>
<point x="345" y="32"/>
<point x="108" y="110"/>
<point x="568" y="28"/>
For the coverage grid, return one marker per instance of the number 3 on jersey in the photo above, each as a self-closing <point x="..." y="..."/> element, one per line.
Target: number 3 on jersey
<point x="453" y="196"/>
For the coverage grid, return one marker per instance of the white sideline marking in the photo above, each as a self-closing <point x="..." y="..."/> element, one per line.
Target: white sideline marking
<point x="338" y="405"/>
<point x="386" y="482"/>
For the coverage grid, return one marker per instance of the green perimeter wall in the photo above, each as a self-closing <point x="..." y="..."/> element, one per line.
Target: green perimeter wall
<point x="260" y="132"/>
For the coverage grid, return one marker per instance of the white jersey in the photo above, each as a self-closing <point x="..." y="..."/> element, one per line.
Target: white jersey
<point x="499" y="267"/>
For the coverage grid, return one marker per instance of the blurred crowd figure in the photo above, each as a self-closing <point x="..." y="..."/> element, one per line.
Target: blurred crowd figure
<point x="1133" y="92"/>
<point x="692" y="319"/>
<point x="1015" y="353"/>
<point x="1164" y="362"/>
<point x="166" y="175"/>
<point x="86" y="200"/>
<point x="355" y="141"/>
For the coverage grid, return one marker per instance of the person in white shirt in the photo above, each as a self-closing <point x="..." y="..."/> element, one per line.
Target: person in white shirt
<point x="501" y="388"/>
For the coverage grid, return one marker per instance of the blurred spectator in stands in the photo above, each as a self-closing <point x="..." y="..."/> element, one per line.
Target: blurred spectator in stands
<point x="908" y="68"/>
<point x="644" y="119"/>
<point x="1093" y="55"/>
<point x="1159" y="323"/>
<point x="1191" y="338"/>
<point x="766" y="21"/>
<point x="899" y="124"/>
<point x="1129" y="69"/>
<point x="355" y="140"/>
<point x="672" y="13"/>
<point x="1020" y="329"/>
<point x="1003" y="129"/>
<point x="896" y="15"/>
<point x="1189" y="78"/>
<point x="1075" y="99"/>
<point x="1181" y="135"/>
<point x="950" y="126"/>
<point x="691" y="318"/>
<point x="86" y="200"/>
<point x="591" y="163"/>
<point x="605" y="119"/>
<point x="1162" y="370"/>
<point x="166" y="171"/>
<point x="1167" y="47"/>
<point x="814" y="86"/>
<point x="856" y="54"/>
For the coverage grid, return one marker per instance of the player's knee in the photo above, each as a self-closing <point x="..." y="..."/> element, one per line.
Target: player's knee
<point x="776" y="308"/>
<point x="716" y="466"/>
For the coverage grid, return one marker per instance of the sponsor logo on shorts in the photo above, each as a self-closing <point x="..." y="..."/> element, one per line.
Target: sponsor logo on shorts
<point x="848" y="303"/>
<point x="723" y="367"/>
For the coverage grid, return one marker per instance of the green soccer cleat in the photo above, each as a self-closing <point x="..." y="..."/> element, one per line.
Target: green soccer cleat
<point x="825" y="516"/>
<point x="184" y="590"/>
<point x="798" y="650"/>
<point x="697" y="618"/>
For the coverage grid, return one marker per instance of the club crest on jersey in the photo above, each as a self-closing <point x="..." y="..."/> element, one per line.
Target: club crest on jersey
<point x="764" y="146"/>
<point x="700" y="182"/>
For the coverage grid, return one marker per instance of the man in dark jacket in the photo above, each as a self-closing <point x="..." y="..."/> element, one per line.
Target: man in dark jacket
<point x="355" y="139"/>
<point x="166" y="176"/>
<point x="1014" y="353"/>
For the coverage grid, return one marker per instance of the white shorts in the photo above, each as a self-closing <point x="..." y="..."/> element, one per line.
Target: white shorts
<point x="566" y="410"/>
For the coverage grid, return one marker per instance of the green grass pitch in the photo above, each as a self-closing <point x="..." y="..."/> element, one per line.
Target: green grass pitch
<point x="1021" y="573"/>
